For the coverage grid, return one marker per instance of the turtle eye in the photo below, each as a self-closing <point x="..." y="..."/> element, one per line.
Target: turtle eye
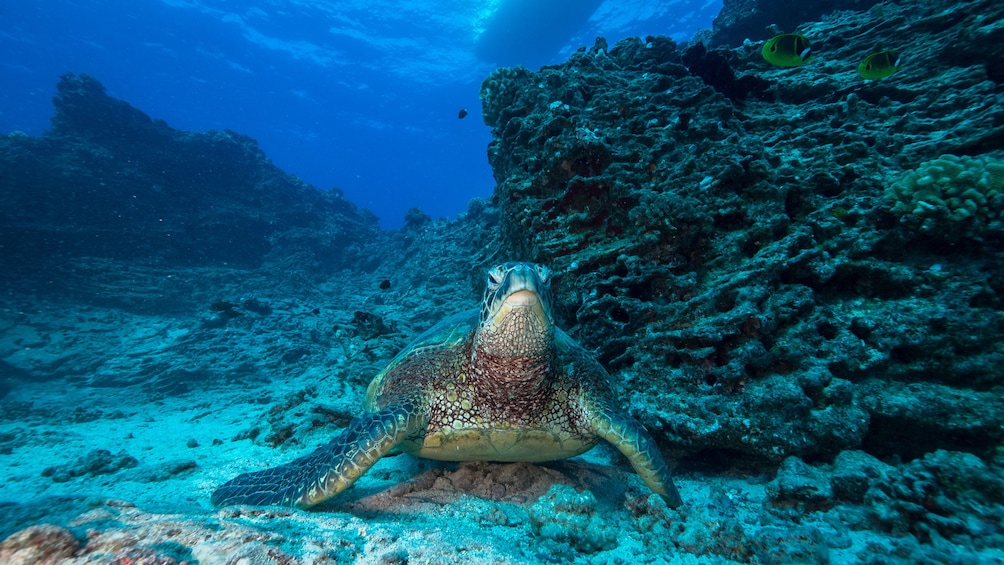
<point x="543" y="273"/>
<point x="495" y="275"/>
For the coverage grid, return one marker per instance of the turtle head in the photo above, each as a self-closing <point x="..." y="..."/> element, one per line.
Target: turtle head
<point x="516" y="312"/>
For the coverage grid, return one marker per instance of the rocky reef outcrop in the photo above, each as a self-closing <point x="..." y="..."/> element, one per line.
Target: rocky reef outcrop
<point x="107" y="181"/>
<point x="756" y="20"/>
<point x="728" y="239"/>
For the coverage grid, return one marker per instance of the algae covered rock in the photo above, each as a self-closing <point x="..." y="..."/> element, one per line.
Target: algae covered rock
<point x="854" y="472"/>
<point x="733" y="254"/>
<point x="945" y="494"/>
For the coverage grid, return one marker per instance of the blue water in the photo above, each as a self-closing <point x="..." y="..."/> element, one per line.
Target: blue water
<point x="359" y="94"/>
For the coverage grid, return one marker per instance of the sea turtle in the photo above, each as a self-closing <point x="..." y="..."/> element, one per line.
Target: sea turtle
<point x="504" y="384"/>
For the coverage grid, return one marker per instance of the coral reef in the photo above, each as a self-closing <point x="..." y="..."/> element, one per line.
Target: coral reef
<point x="951" y="495"/>
<point x="748" y="249"/>
<point x="130" y="187"/>
<point x="731" y="252"/>
<point x="741" y="20"/>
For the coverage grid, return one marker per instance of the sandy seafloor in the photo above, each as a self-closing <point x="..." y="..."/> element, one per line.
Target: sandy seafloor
<point x="181" y="393"/>
<point x="404" y="510"/>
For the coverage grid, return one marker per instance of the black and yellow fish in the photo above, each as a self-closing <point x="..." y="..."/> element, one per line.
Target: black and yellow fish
<point x="880" y="65"/>
<point x="787" y="50"/>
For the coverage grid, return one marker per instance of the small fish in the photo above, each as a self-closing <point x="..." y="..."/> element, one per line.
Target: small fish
<point x="384" y="284"/>
<point x="462" y="113"/>
<point x="787" y="50"/>
<point x="880" y="65"/>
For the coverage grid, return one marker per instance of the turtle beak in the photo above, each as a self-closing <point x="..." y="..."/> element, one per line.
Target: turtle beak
<point x="526" y="301"/>
<point x="523" y="298"/>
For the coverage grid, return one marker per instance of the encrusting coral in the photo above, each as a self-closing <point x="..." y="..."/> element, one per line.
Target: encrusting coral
<point x="951" y="196"/>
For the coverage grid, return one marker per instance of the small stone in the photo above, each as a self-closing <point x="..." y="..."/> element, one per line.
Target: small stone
<point x="853" y="473"/>
<point x="396" y="557"/>
<point x="797" y="481"/>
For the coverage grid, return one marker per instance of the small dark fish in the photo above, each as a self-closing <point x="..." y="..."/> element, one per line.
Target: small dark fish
<point x="787" y="50"/>
<point x="880" y="65"/>
<point x="384" y="284"/>
<point x="462" y="113"/>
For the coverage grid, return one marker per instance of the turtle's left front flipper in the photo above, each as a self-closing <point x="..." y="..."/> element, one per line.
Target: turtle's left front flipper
<point x="329" y="470"/>
<point x="634" y="441"/>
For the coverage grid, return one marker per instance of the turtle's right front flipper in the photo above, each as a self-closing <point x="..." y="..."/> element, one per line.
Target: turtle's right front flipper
<point x="631" y="439"/>
<point x="330" y="469"/>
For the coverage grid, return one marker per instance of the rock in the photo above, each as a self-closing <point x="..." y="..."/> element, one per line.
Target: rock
<point x="120" y="533"/>
<point x="799" y="483"/>
<point x="798" y="544"/>
<point x="565" y="516"/>
<point x="944" y="495"/>
<point x="854" y="472"/>
<point x="729" y="247"/>
<point x="714" y="69"/>
<point x="38" y="545"/>
<point x="758" y="19"/>
<point x="96" y="462"/>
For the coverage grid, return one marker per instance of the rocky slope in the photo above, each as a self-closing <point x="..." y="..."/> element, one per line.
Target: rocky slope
<point x="107" y="181"/>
